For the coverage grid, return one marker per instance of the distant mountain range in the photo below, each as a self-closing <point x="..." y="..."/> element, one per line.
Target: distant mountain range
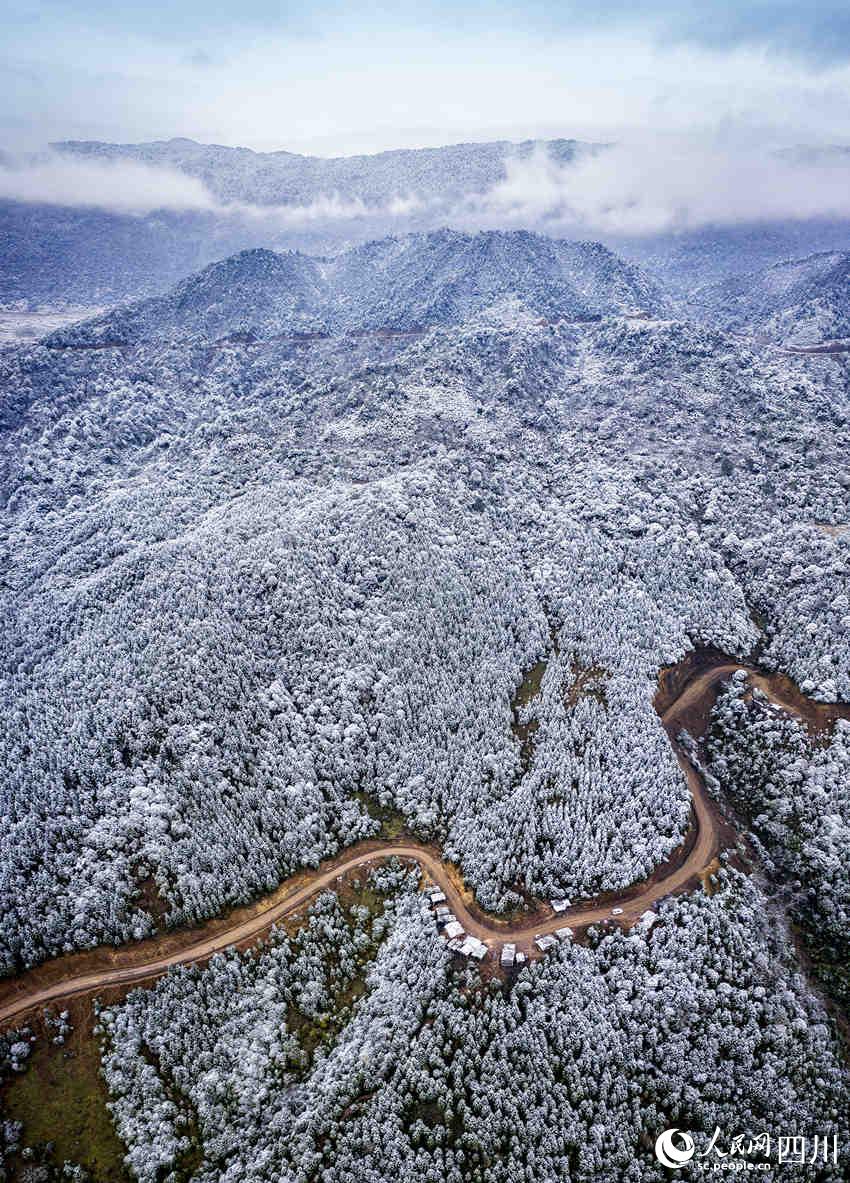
<point x="286" y="178"/>
<point x="395" y="284"/>
<point x="688" y="261"/>
<point x="54" y="255"/>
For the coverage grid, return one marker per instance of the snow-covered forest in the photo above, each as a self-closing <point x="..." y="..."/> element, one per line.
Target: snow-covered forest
<point x="705" y="1022"/>
<point x="793" y="790"/>
<point x="414" y="531"/>
<point x="247" y="584"/>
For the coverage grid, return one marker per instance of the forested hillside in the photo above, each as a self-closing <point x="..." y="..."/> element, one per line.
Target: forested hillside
<point x="393" y="285"/>
<point x="250" y="583"/>
<point x="802" y="301"/>
<point x="440" y="1076"/>
<point x="409" y="532"/>
<point x="287" y="178"/>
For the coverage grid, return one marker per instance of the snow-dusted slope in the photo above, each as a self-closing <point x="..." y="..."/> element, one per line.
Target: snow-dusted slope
<point x="800" y="301"/>
<point x="445" y="276"/>
<point x="249" y="584"/>
<point x="413" y="282"/>
<point x="258" y="293"/>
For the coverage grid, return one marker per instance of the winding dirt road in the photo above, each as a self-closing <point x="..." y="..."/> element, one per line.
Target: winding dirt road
<point x="685" y="698"/>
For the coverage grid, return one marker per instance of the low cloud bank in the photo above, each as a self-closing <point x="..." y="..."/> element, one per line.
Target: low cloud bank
<point x="124" y="186"/>
<point x="133" y="187"/>
<point x="630" y="189"/>
<point x="326" y="209"/>
<point x="656" y="187"/>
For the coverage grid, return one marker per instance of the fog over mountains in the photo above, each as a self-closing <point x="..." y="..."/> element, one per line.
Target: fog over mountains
<point x="418" y="175"/>
<point x="98" y="248"/>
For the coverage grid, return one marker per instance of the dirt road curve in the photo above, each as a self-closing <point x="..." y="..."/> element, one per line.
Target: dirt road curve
<point x="692" y="689"/>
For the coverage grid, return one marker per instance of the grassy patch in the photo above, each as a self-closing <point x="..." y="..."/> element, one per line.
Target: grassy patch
<point x="529" y="687"/>
<point x="151" y="900"/>
<point x="61" y="1098"/>
<point x="393" y="824"/>
<point x="527" y="691"/>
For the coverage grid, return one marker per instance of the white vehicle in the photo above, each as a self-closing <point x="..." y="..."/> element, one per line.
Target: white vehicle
<point x="616" y="911"/>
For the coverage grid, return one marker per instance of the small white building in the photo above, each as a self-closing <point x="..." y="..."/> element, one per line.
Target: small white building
<point x="521" y="958"/>
<point x="564" y="934"/>
<point x="559" y="905"/>
<point x="647" y="920"/>
<point x="472" y="947"/>
<point x="436" y="896"/>
<point x="508" y="955"/>
<point x="545" y="942"/>
<point x="453" y="929"/>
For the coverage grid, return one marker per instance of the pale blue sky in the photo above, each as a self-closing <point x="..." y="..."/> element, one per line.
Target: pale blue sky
<point x="339" y="78"/>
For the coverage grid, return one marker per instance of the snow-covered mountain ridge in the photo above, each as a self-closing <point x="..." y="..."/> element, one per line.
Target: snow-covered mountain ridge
<point x="287" y="178"/>
<point x="394" y="284"/>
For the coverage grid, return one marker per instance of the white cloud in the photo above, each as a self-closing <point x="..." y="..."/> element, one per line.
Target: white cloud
<point x="661" y="184"/>
<point x="128" y="186"/>
<point x="124" y="186"/>
<point x="642" y="186"/>
<point x="325" y="208"/>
